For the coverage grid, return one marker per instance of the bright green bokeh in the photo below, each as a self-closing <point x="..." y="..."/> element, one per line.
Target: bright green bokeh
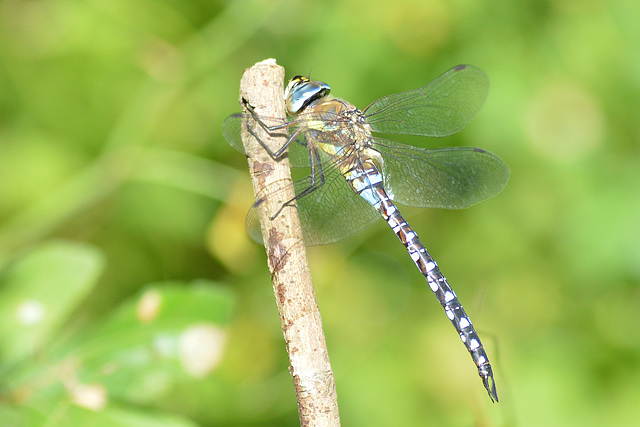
<point x="115" y="174"/>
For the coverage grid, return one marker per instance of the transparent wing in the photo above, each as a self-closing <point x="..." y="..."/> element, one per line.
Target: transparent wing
<point x="441" y="108"/>
<point x="328" y="214"/>
<point x="232" y="131"/>
<point x="233" y="125"/>
<point x="447" y="178"/>
<point x="298" y="152"/>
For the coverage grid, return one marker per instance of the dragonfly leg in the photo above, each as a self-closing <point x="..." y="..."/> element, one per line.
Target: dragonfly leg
<point x="316" y="181"/>
<point x="316" y="177"/>
<point x="272" y="131"/>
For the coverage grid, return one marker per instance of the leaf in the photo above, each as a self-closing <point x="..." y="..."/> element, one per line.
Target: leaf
<point x="65" y="413"/>
<point x="40" y="290"/>
<point x="118" y="416"/>
<point x="171" y="332"/>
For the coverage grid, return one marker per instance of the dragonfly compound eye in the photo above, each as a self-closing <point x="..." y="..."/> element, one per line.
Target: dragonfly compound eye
<point x="301" y="92"/>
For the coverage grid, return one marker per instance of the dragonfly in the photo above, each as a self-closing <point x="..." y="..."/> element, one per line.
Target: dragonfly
<point x="356" y="178"/>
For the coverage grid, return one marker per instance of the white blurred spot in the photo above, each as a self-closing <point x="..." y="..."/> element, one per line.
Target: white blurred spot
<point x="201" y="349"/>
<point x="564" y="122"/>
<point x="149" y="306"/>
<point x="165" y="345"/>
<point x="92" y="396"/>
<point x="30" y="312"/>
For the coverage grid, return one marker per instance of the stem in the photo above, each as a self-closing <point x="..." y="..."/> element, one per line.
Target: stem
<point x="262" y="88"/>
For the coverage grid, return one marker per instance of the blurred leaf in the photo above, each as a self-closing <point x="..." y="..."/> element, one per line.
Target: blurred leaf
<point x="11" y="415"/>
<point x="169" y="333"/>
<point x="40" y="290"/>
<point x="117" y="416"/>
<point x="187" y="172"/>
<point x="65" y="413"/>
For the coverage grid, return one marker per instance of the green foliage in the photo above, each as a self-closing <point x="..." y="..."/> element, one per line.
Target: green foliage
<point x="70" y="371"/>
<point x="117" y="190"/>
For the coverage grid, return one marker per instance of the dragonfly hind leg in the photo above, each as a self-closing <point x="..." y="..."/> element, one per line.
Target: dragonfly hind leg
<point x="316" y="180"/>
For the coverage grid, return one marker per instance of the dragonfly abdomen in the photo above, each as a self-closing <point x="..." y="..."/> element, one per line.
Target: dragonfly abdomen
<point x="443" y="292"/>
<point x="367" y="181"/>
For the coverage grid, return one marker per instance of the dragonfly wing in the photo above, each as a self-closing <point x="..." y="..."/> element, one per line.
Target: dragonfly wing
<point x="329" y="214"/>
<point x="298" y="153"/>
<point x="232" y="130"/>
<point x="441" y="108"/>
<point x="447" y="178"/>
<point x="232" y="126"/>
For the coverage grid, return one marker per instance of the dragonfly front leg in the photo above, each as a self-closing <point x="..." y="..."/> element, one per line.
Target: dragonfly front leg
<point x="271" y="130"/>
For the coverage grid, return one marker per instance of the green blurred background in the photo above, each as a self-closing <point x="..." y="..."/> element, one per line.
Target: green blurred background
<point x="111" y="145"/>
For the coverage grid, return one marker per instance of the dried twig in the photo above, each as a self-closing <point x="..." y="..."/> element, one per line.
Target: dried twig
<point x="262" y="88"/>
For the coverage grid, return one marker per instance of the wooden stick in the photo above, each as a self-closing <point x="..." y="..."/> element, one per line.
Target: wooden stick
<point x="262" y="88"/>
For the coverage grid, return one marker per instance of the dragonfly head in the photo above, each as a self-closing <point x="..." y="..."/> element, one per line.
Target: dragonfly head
<point x="301" y="92"/>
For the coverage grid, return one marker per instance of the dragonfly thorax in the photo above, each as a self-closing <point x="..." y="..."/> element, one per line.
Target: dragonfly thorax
<point x="301" y="92"/>
<point x="336" y="126"/>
